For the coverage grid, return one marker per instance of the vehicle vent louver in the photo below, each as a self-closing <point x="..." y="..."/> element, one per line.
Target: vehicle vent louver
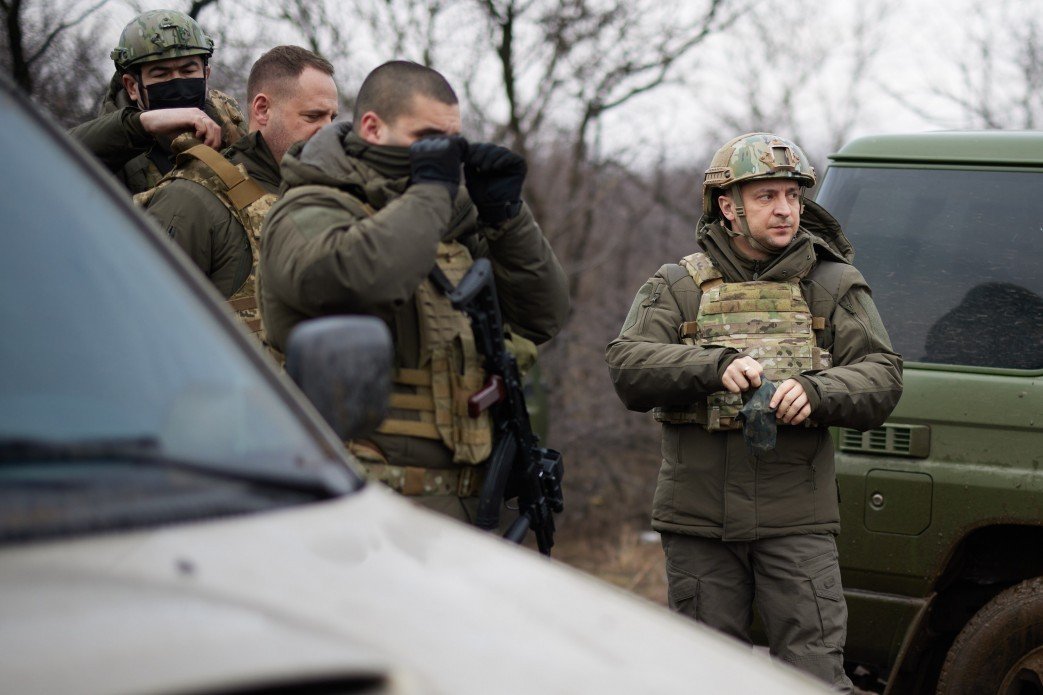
<point x="913" y="441"/>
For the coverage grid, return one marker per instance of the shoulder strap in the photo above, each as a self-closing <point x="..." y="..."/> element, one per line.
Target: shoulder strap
<point x="242" y="190"/>
<point x="701" y="268"/>
<point x="686" y="293"/>
<point x="829" y="275"/>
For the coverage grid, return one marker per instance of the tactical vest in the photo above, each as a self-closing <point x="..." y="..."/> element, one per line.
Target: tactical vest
<point x="430" y="401"/>
<point x="244" y="198"/>
<point x="435" y="394"/>
<point x="769" y="321"/>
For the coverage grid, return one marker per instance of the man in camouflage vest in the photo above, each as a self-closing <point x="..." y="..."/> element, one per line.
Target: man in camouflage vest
<point x="370" y="211"/>
<point x="158" y="91"/>
<point x="213" y="207"/>
<point x="770" y="298"/>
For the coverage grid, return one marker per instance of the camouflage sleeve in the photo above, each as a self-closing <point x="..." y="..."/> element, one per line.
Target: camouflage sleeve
<point x="115" y="138"/>
<point x="648" y="364"/>
<point x="205" y="230"/>
<point x="865" y="383"/>
<point x="321" y="256"/>
<point x="225" y="111"/>
<point x="530" y="283"/>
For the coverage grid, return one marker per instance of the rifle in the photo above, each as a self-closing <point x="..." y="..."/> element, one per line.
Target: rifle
<point x="519" y="466"/>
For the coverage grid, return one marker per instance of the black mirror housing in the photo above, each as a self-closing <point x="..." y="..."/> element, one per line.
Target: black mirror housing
<point x="343" y="365"/>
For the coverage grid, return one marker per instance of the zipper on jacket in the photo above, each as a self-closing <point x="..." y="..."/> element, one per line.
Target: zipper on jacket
<point x="814" y="485"/>
<point x="858" y="319"/>
<point x="653" y="298"/>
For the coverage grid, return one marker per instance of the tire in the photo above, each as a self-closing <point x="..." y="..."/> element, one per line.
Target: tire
<point x="1000" y="650"/>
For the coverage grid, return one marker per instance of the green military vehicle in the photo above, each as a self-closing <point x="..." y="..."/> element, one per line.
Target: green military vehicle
<point x="942" y="507"/>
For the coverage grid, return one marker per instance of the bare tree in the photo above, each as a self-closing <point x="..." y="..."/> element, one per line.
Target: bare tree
<point x="34" y="29"/>
<point x="567" y="65"/>
<point x="999" y="66"/>
<point x="561" y="67"/>
<point x="198" y="6"/>
<point x="803" y="70"/>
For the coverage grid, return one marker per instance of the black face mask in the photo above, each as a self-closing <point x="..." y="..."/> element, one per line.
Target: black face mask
<point x="178" y="93"/>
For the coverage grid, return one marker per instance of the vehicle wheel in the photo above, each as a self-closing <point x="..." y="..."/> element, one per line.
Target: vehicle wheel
<point x="1000" y="650"/>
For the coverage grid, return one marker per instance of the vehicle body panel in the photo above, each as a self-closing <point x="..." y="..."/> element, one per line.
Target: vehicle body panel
<point x="928" y="502"/>
<point x="367" y="584"/>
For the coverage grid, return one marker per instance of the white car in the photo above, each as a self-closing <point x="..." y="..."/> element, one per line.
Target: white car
<point x="175" y="518"/>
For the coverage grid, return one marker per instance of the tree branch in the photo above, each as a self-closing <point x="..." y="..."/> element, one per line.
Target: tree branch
<point x="63" y="26"/>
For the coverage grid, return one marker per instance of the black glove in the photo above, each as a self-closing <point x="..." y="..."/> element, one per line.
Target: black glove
<point x="494" y="181"/>
<point x="437" y="159"/>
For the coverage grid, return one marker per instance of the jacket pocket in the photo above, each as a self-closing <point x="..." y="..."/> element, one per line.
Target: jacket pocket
<point x="646" y="301"/>
<point x="650" y="302"/>
<point x="788" y="479"/>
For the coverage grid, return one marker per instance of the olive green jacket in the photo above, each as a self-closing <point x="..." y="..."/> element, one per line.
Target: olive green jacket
<point x="320" y="257"/>
<point x="205" y="228"/>
<point x="709" y="484"/>
<point x="117" y="138"/>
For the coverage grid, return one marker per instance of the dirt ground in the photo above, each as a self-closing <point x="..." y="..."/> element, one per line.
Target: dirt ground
<point x="632" y="560"/>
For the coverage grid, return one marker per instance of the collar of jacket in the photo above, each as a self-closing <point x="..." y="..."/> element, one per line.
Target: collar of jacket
<point x="252" y="152"/>
<point x="375" y="174"/>
<point x="390" y="162"/>
<point x="324" y="160"/>
<point x="796" y="260"/>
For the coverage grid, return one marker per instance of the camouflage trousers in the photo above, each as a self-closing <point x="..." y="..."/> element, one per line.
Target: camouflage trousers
<point x="794" y="581"/>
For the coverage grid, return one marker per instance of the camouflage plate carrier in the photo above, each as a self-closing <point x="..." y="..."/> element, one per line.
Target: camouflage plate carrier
<point x="244" y="198"/>
<point x="769" y="321"/>
<point x="436" y="394"/>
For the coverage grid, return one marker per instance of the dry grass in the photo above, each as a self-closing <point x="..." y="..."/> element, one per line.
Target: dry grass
<point x="632" y="561"/>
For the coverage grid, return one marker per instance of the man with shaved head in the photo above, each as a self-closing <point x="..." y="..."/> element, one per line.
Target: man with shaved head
<point x="373" y="210"/>
<point x="213" y="208"/>
<point x="390" y="89"/>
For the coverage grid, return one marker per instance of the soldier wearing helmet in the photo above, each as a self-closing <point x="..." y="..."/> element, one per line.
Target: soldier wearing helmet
<point x="770" y="304"/>
<point x="158" y="91"/>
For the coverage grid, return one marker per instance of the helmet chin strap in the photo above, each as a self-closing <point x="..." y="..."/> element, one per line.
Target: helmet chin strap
<point x="744" y="227"/>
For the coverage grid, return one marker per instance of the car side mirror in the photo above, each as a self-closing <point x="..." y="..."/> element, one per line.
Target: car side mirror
<point x="343" y="365"/>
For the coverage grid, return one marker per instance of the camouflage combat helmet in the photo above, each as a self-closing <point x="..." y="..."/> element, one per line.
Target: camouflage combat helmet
<point x="755" y="156"/>
<point x="158" y="35"/>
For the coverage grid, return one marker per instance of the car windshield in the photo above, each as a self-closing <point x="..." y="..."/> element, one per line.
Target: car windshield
<point x="952" y="257"/>
<point x="120" y="387"/>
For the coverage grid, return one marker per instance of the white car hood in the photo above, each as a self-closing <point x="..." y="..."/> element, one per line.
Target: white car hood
<point x="364" y="587"/>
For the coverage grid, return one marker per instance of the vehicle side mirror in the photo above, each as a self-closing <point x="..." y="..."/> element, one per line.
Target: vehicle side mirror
<point x="343" y="365"/>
